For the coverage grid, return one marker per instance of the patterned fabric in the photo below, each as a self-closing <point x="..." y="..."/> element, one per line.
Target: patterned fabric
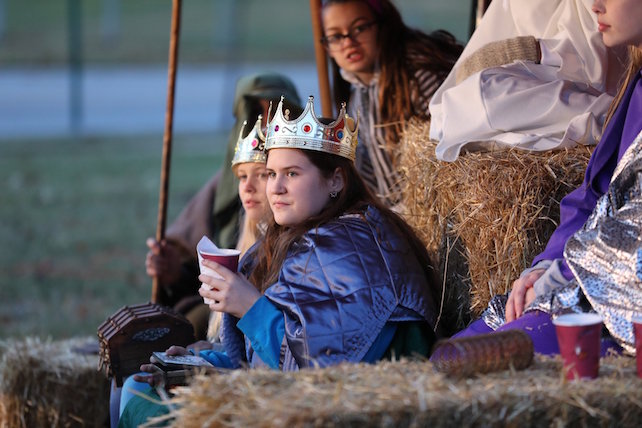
<point x="374" y="161"/>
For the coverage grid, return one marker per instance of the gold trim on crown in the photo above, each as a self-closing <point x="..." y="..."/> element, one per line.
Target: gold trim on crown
<point x="307" y="133"/>
<point x="252" y="147"/>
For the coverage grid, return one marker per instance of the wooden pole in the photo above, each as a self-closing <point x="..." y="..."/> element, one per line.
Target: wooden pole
<point x="477" y="12"/>
<point x="167" y="137"/>
<point x="321" y="58"/>
<point x="482" y="5"/>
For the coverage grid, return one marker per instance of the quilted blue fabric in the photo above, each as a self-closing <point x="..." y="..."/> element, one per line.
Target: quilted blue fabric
<point x="338" y="287"/>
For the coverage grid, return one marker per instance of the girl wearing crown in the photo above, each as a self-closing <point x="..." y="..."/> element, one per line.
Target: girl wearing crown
<point x="592" y="261"/>
<point x="337" y="277"/>
<point x="214" y="211"/>
<point x="388" y="72"/>
<point x="248" y="165"/>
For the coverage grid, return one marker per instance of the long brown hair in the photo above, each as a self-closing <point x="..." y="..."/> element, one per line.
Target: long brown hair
<point x="633" y="67"/>
<point x="436" y="52"/>
<point x="354" y="198"/>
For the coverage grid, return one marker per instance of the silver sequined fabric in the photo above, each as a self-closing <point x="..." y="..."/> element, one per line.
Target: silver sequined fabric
<point x="605" y="255"/>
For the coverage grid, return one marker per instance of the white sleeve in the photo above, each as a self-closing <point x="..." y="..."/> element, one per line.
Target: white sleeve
<point x="551" y="279"/>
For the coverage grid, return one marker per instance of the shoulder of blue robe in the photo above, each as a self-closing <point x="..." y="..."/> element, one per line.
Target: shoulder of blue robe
<point x="342" y="282"/>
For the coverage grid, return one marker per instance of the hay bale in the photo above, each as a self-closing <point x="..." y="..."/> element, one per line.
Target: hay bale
<point x="400" y="394"/>
<point x="485" y="216"/>
<point x="46" y="383"/>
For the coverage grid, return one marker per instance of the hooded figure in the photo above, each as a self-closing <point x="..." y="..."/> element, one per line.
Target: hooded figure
<point x="214" y="211"/>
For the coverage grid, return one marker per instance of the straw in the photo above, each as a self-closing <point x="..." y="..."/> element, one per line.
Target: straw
<point x="412" y="393"/>
<point x="485" y="216"/>
<point x="46" y="383"/>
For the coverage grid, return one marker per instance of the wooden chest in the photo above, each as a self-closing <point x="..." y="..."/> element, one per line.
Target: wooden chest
<point x="128" y="338"/>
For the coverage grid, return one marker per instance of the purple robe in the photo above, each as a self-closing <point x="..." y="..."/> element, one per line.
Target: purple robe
<point x="578" y="205"/>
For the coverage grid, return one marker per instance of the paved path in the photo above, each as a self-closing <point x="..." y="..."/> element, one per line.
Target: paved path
<point x="128" y="101"/>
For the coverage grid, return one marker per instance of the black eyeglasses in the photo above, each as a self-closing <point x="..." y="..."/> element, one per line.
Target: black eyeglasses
<point x="335" y="41"/>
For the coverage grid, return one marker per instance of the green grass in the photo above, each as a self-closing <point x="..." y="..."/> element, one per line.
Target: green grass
<point x="73" y="221"/>
<point x="74" y="215"/>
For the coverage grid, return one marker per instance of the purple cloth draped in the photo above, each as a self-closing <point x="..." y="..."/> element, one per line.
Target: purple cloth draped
<point x="576" y="207"/>
<point x="539" y="326"/>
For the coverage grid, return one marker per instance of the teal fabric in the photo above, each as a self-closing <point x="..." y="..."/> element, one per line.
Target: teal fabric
<point x="411" y="339"/>
<point x="139" y="410"/>
<point x="130" y="386"/>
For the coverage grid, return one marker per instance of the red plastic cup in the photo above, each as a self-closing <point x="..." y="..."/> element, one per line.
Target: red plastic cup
<point x="227" y="258"/>
<point x="637" y="333"/>
<point x="578" y="336"/>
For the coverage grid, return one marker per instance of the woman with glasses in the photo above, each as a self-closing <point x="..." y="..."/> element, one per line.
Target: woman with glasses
<point x="388" y="72"/>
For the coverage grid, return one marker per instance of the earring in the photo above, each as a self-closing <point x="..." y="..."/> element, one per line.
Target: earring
<point x="333" y="194"/>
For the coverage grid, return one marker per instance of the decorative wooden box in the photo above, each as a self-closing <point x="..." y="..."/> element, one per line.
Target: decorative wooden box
<point x="128" y="338"/>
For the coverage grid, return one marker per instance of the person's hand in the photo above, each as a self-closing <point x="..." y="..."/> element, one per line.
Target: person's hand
<point x="176" y="351"/>
<point x="196" y="347"/>
<point x="233" y="294"/>
<point x="163" y="261"/>
<point x="199" y="346"/>
<point x="522" y="294"/>
<point x="154" y="378"/>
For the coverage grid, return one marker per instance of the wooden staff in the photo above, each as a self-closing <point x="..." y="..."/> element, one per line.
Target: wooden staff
<point x="321" y="58"/>
<point x="167" y="137"/>
<point x="482" y="5"/>
<point x="478" y="9"/>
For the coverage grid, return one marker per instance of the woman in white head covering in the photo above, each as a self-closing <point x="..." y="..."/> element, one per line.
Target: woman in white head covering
<point x="535" y="75"/>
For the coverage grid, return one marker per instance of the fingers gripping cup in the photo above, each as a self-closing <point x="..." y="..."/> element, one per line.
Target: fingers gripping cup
<point x="637" y="334"/>
<point x="578" y="336"/>
<point x="207" y="250"/>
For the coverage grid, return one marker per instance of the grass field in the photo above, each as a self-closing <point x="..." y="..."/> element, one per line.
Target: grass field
<point x="73" y="221"/>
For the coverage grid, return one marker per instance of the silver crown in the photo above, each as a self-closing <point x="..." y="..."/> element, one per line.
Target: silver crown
<point x="307" y="133"/>
<point x="252" y="147"/>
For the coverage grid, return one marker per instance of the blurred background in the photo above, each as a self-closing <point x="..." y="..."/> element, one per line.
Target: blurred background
<point x="83" y="93"/>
